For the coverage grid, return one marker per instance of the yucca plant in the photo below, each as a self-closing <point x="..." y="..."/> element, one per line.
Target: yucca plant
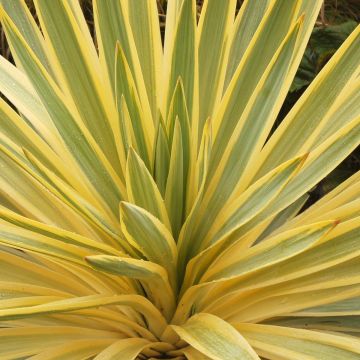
<point x="148" y="208"/>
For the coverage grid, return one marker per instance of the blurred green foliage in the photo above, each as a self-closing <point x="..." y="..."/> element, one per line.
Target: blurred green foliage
<point x="324" y="42"/>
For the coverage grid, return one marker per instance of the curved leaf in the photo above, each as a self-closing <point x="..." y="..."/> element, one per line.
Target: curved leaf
<point x="215" y="338"/>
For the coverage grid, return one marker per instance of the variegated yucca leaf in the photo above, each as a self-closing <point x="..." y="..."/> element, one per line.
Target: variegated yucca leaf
<point x="147" y="208"/>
